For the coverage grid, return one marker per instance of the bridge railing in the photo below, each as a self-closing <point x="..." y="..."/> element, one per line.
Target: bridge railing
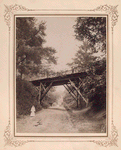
<point x="47" y="74"/>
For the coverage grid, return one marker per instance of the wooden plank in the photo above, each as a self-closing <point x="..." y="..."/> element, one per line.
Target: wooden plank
<point x="60" y="80"/>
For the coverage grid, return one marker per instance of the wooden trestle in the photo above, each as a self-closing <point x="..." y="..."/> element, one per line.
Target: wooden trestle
<point x="71" y="82"/>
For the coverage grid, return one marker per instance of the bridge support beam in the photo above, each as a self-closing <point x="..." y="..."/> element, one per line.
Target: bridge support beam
<point x="66" y="87"/>
<point x="76" y="94"/>
<point x="71" y="89"/>
<point x="43" y="91"/>
<point x="40" y="92"/>
<point x="71" y="92"/>
<point x="77" y="100"/>
<point x="78" y="91"/>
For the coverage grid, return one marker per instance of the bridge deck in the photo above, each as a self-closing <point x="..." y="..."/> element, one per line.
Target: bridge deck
<point x="60" y="80"/>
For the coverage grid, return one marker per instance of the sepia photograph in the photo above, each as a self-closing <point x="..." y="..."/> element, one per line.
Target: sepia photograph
<point x="61" y="74"/>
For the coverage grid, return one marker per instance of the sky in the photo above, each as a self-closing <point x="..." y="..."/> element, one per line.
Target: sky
<point x="60" y="36"/>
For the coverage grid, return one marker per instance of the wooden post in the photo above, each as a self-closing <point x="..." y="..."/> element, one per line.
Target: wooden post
<point x="77" y="100"/>
<point x="40" y="92"/>
<point x="87" y="103"/>
<point x="77" y="95"/>
<point x="43" y="90"/>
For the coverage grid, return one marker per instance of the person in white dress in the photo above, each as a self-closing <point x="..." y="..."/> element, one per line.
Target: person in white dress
<point x="32" y="111"/>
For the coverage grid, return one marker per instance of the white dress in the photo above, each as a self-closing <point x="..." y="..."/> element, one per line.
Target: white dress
<point x="32" y="111"/>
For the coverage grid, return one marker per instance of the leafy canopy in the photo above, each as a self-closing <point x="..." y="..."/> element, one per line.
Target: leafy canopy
<point x="31" y="56"/>
<point x="93" y="29"/>
<point x="91" y="32"/>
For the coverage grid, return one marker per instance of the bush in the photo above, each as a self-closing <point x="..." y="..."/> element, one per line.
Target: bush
<point x="26" y="96"/>
<point x="99" y="99"/>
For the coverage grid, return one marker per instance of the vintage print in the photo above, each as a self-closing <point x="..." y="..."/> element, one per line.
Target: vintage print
<point x="61" y="74"/>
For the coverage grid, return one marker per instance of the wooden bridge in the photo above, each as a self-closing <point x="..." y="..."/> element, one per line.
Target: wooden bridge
<point x="72" y="82"/>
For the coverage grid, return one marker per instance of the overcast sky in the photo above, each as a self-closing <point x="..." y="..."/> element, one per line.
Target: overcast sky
<point x="60" y="35"/>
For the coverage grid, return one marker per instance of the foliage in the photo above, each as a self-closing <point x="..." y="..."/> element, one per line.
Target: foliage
<point x="28" y="32"/>
<point x="49" y="99"/>
<point x="26" y="96"/>
<point x="93" y="29"/>
<point x="83" y="58"/>
<point x="94" y="86"/>
<point x="30" y="54"/>
<point x="71" y="102"/>
<point x="32" y="59"/>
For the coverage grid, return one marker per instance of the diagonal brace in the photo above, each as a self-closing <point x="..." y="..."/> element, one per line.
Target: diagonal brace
<point x="46" y="91"/>
<point x="70" y="89"/>
<point x="72" y="83"/>
<point x="70" y="92"/>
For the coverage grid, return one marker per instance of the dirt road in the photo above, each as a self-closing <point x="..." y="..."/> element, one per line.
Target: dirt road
<point x="58" y="120"/>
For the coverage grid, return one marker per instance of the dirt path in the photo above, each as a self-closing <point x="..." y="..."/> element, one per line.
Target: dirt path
<point x="57" y="120"/>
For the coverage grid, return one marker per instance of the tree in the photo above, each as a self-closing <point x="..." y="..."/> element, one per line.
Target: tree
<point x="93" y="29"/>
<point x="32" y="59"/>
<point x="26" y="96"/>
<point x="84" y="57"/>
<point x="30" y="54"/>
<point x="28" y="32"/>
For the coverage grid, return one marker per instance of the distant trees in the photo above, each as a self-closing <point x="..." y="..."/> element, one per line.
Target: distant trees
<point x="50" y="98"/>
<point x="91" y="57"/>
